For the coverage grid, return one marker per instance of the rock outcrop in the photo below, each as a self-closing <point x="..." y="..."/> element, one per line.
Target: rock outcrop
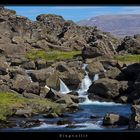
<point x="130" y="45"/>
<point x="115" y="119"/>
<point x="135" y="117"/>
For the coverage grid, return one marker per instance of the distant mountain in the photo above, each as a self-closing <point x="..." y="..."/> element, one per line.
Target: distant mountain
<point x="119" y="25"/>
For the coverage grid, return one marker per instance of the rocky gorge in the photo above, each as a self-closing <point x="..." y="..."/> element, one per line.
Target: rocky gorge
<point x="54" y="72"/>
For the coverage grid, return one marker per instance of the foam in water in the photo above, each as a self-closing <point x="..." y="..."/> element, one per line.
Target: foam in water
<point x="44" y="126"/>
<point x="89" y="102"/>
<point x="88" y="126"/>
<point x="63" y="88"/>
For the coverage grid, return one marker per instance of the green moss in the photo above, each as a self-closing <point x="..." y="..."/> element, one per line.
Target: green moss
<point x="128" y="58"/>
<point x="9" y="102"/>
<point x="51" y="55"/>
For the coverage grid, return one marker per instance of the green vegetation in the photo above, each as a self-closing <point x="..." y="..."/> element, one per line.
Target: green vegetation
<point x="51" y="55"/>
<point x="10" y="102"/>
<point x="128" y="58"/>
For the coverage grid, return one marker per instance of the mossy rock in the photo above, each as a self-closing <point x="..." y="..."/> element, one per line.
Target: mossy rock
<point x="11" y="102"/>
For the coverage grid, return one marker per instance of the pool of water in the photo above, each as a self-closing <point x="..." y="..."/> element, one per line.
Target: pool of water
<point x="82" y="120"/>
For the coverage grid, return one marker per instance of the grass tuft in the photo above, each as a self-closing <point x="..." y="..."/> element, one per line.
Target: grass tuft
<point x="51" y="55"/>
<point x="128" y="58"/>
<point x="9" y="102"/>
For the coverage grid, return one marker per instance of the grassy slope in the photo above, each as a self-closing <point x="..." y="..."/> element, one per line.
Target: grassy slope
<point x="11" y="101"/>
<point x="51" y="55"/>
<point x="128" y="58"/>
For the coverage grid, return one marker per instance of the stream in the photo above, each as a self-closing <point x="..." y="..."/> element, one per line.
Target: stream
<point x="88" y="118"/>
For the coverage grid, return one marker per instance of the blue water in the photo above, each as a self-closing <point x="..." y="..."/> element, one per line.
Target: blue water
<point x="81" y="119"/>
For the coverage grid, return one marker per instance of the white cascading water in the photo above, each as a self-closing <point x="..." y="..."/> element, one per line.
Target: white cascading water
<point x="63" y="88"/>
<point x="28" y="73"/>
<point x="47" y="87"/>
<point x="87" y="101"/>
<point x="86" y="82"/>
<point x="96" y="77"/>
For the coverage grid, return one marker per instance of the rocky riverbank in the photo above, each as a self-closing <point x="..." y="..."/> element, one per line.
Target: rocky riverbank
<point x="41" y="68"/>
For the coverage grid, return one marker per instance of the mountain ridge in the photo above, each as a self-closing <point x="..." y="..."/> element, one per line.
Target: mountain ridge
<point x="115" y="24"/>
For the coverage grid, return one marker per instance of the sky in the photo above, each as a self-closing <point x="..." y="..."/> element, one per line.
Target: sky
<point x="75" y="13"/>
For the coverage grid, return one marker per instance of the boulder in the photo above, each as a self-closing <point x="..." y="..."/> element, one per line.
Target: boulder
<point x="24" y="113"/>
<point x="17" y="62"/>
<point x="94" y="68"/>
<point x="41" y="75"/>
<point x="115" y="119"/>
<point x="5" y="78"/>
<point x="41" y="44"/>
<point x="73" y="93"/>
<point x="115" y="73"/>
<point x="137" y="84"/>
<point x="71" y="103"/>
<point x="4" y="88"/>
<point x="130" y="45"/>
<point x="41" y="64"/>
<point x="53" y="81"/>
<point x="9" y="48"/>
<point x="3" y="67"/>
<point x="100" y="44"/>
<point x="109" y="64"/>
<point x="135" y="117"/>
<point x="131" y="72"/>
<point x="123" y="99"/>
<point x="72" y="78"/>
<point x="20" y="83"/>
<point x="65" y="100"/>
<point x="51" y="115"/>
<point x="90" y="52"/>
<point x="108" y="89"/>
<point x="33" y="88"/>
<point x="14" y="71"/>
<point x="75" y="64"/>
<point x="30" y="123"/>
<point x="53" y="95"/>
<point x="44" y="91"/>
<point x="17" y="40"/>
<point x="29" y="65"/>
<point x="74" y="98"/>
<point x="62" y="67"/>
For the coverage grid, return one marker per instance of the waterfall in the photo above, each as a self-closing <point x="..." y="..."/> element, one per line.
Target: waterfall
<point x="63" y="88"/>
<point x="47" y="87"/>
<point x="86" y="82"/>
<point x="28" y="73"/>
<point x="84" y="66"/>
<point x="96" y="77"/>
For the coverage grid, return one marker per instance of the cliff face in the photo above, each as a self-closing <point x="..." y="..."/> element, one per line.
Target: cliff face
<point x="18" y="35"/>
